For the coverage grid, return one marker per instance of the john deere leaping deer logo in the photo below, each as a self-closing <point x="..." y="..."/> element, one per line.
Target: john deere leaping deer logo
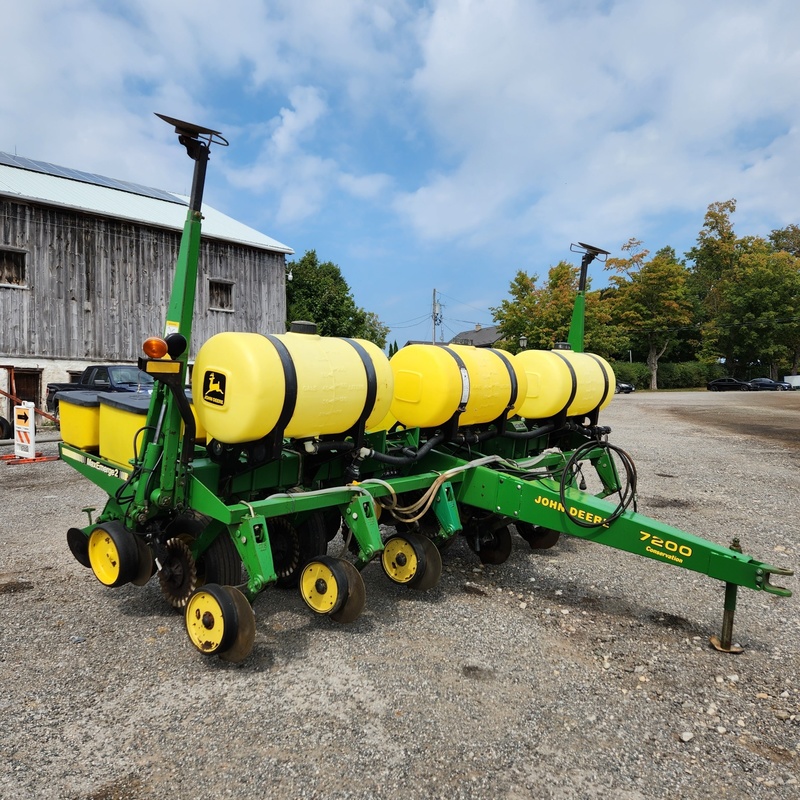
<point x="214" y="388"/>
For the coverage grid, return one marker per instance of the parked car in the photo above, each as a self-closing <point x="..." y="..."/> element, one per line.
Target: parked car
<point x="624" y="388"/>
<point x="727" y="385"/>
<point x="102" y="378"/>
<point x="768" y="385"/>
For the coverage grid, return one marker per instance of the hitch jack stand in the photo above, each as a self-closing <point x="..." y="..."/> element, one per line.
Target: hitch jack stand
<point x="723" y="642"/>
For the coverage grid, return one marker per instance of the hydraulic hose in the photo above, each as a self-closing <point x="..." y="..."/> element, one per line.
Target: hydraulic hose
<point x="409" y="457"/>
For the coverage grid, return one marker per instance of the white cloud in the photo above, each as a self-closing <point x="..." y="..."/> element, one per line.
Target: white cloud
<point x="514" y="124"/>
<point x="308" y="108"/>
<point x="287" y="167"/>
<point x="601" y="118"/>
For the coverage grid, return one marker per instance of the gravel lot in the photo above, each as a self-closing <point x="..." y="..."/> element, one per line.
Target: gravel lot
<point x="578" y="672"/>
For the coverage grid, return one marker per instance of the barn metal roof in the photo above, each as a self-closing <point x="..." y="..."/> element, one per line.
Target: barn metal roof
<point x="39" y="181"/>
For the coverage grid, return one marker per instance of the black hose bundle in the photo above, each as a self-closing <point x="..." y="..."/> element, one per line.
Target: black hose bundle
<point x="626" y="495"/>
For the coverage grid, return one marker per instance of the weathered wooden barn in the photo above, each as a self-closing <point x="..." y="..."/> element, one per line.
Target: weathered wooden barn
<point x="86" y="267"/>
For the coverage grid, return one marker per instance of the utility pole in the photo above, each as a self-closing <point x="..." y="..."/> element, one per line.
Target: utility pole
<point x="436" y="316"/>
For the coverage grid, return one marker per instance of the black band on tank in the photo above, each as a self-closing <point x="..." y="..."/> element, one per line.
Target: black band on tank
<point x="605" y="377"/>
<point x="462" y="368"/>
<point x="574" y="381"/>
<point x="511" y="374"/>
<point x="289" y="380"/>
<point x="372" y="379"/>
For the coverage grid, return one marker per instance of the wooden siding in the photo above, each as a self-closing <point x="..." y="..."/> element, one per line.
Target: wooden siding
<point x="97" y="287"/>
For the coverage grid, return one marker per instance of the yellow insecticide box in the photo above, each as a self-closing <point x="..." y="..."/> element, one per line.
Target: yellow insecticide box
<point x="122" y="417"/>
<point x="79" y="414"/>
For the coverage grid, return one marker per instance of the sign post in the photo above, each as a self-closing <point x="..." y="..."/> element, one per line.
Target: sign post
<point x="24" y="431"/>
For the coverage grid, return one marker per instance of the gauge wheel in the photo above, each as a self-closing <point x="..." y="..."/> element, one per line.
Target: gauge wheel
<point x="212" y="619"/>
<point x="356" y="596"/>
<point x="246" y="631"/>
<point x="147" y="564"/>
<point x="334" y="587"/>
<point x="178" y="573"/>
<point x="412" y="560"/>
<point x="293" y="546"/>
<point x="113" y="554"/>
<point x="537" y="537"/>
<point x="78" y="543"/>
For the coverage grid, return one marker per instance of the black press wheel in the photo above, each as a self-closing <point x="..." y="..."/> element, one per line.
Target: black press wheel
<point x="537" y="537"/>
<point x="496" y="548"/>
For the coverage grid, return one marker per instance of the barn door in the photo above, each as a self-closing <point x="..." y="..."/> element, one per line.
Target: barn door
<point x="28" y="385"/>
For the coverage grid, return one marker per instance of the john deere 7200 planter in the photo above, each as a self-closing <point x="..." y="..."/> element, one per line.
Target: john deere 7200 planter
<point x="287" y="440"/>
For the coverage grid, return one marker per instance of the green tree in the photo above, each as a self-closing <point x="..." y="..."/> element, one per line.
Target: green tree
<point x="542" y="313"/>
<point x="319" y="293"/>
<point x="713" y="256"/>
<point x="758" y="315"/>
<point x="651" y="299"/>
<point x="787" y="239"/>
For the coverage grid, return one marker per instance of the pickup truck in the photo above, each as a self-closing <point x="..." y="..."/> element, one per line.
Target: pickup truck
<point x="102" y="378"/>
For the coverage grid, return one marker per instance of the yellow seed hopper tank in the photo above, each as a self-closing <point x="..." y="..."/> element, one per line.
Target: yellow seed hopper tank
<point x="247" y="385"/>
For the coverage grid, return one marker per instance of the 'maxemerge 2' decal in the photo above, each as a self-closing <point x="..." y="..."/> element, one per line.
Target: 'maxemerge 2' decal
<point x="100" y="466"/>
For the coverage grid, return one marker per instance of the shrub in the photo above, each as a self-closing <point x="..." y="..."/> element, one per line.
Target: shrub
<point x="684" y="375"/>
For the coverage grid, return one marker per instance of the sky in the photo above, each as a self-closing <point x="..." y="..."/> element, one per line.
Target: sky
<point x="427" y="146"/>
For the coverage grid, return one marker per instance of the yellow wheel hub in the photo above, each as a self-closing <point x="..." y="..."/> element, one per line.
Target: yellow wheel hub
<point x="399" y="560"/>
<point x="104" y="557"/>
<point x="319" y="587"/>
<point x="205" y="621"/>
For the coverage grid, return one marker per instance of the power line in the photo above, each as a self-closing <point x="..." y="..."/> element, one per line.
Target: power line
<point x="408" y="321"/>
<point x="467" y="305"/>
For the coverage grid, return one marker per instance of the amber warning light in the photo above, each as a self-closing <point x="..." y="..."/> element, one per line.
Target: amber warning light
<point x="155" y="347"/>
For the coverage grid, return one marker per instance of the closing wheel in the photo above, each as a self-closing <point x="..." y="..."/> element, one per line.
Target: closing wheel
<point x="113" y="554"/>
<point x="246" y="632"/>
<point x="293" y="546"/>
<point x="219" y="563"/>
<point x="413" y="560"/>
<point x="356" y="596"/>
<point x="332" y="521"/>
<point x="495" y="548"/>
<point x="537" y="537"/>
<point x="147" y="564"/>
<point x="212" y="619"/>
<point x="178" y="573"/>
